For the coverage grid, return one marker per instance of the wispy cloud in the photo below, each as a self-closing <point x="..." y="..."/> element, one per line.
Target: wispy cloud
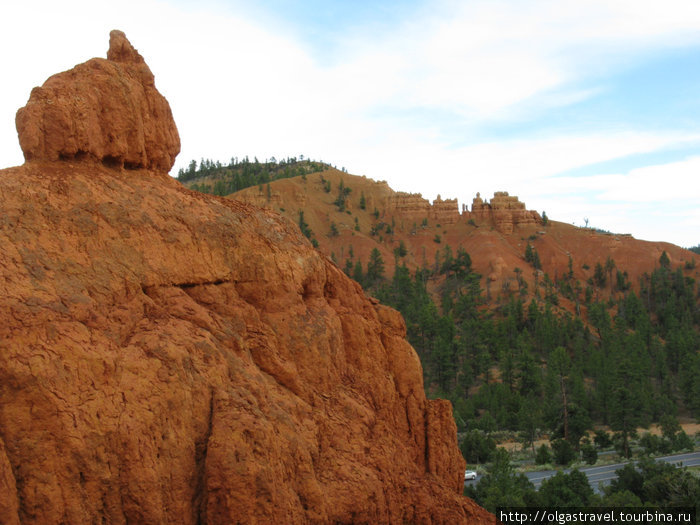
<point x="672" y="182"/>
<point x="451" y="97"/>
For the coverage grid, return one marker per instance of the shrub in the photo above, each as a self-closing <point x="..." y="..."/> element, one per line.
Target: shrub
<point x="543" y="455"/>
<point x="564" y="453"/>
<point x="566" y="490"/>
<point x="589" y="453"/>
<point x="602" y="439"/>
<point x="681" y="441"/>
<point x="477" y="447"/>
<point x="650" y="443"/>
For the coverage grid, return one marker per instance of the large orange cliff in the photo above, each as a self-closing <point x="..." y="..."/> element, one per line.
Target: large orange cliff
<point x="172" y="357"/>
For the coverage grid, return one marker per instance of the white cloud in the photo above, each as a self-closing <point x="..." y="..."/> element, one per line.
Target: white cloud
<point x="658" y="202"/>
<point x="243" y="87"/>
<point x="672" y="182"/>
<point x="482" y="58"/>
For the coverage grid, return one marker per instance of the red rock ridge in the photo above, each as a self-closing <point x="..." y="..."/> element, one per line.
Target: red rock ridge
<point x="505" y="211"/>
<point x="413" y="206"/>
<point x="408" y="205"/>
<point x="445" y="211"/>
<point x="171" y="357"/>
<point x="109" y="110"/>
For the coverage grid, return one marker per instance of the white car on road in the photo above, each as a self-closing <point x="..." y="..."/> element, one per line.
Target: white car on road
<point x="469" y="474"/>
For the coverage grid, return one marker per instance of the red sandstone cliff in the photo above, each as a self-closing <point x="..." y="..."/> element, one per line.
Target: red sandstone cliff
<point x="171" y="357"/>
<point x="504" y="211"/>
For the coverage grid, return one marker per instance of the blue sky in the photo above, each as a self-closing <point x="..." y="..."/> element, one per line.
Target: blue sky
<point x="585" y="109"/>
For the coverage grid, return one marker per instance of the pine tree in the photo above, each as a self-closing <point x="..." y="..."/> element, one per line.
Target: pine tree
<point x="333" y="231"/>
<point x="375" y="267"/>
<point x="303" y="226"/>
<point x="528" y="253"/>
<point x="558" y="368"/>
<point x="609" y="267"/>
<point x="599" y="275"/>
<point x="627" y="400"/>
<point x="357" y="272"/>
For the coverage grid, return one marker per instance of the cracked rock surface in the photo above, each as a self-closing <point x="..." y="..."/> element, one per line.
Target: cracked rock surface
<point x="104" y="109"/>
<point x="172" y="357"/>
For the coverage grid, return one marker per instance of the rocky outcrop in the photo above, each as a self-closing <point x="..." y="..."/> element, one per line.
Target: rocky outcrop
<point x="172" y="357"/>
<point x="410" y="206"/>
<point x="445" y="211"/>
<point x="504" y="211"/>
<point x="413" y="206"/>
<point x="108" y="110"/>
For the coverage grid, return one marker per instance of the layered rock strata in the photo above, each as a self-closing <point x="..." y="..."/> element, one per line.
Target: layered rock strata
<point x="504" y="211"/>
<point x="407" y="205"/>
<point x="445" y="211"/>
<point x="413" y="206"/>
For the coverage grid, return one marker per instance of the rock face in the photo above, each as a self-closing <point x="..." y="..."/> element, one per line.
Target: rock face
<point x="505" y="211"/>
<point x="108" y="110"/>
<point x="411" y="206"/>
<point x="445" y="211"/>
<point x="172" y="357"/>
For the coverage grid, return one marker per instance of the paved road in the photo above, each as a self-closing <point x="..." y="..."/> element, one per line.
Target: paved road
<point x="601" y="476"/>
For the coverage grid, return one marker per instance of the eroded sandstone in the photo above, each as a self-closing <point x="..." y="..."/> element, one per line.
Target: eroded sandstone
<point x="505" y="211"/>
<point x="104" y="109"/>
<point x="172" y="357"/>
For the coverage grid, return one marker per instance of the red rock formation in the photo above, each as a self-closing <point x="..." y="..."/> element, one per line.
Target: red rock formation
<point x="413" y="206"/>
<point x="504" y="211"/>
<point x="172" y="357"/>
<point x="445" y="211"/>
<point x="410" y="206"/>
<point x="109" y="110"/>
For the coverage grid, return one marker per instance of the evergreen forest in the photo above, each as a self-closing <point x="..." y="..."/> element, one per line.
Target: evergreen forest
<point x="625" y="356"/>
<point x="526" y="367"/>
<point x="645" y="485"/>
<point x="223" y="179"/>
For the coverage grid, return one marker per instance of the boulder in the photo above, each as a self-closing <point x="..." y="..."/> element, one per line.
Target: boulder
<point x="107" y="110"/>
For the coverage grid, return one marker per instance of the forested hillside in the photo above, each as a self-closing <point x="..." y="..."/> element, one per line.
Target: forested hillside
<point x="223" y="179"/>
<point x="523" y="367"/>
<point x="570" y="329"/>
